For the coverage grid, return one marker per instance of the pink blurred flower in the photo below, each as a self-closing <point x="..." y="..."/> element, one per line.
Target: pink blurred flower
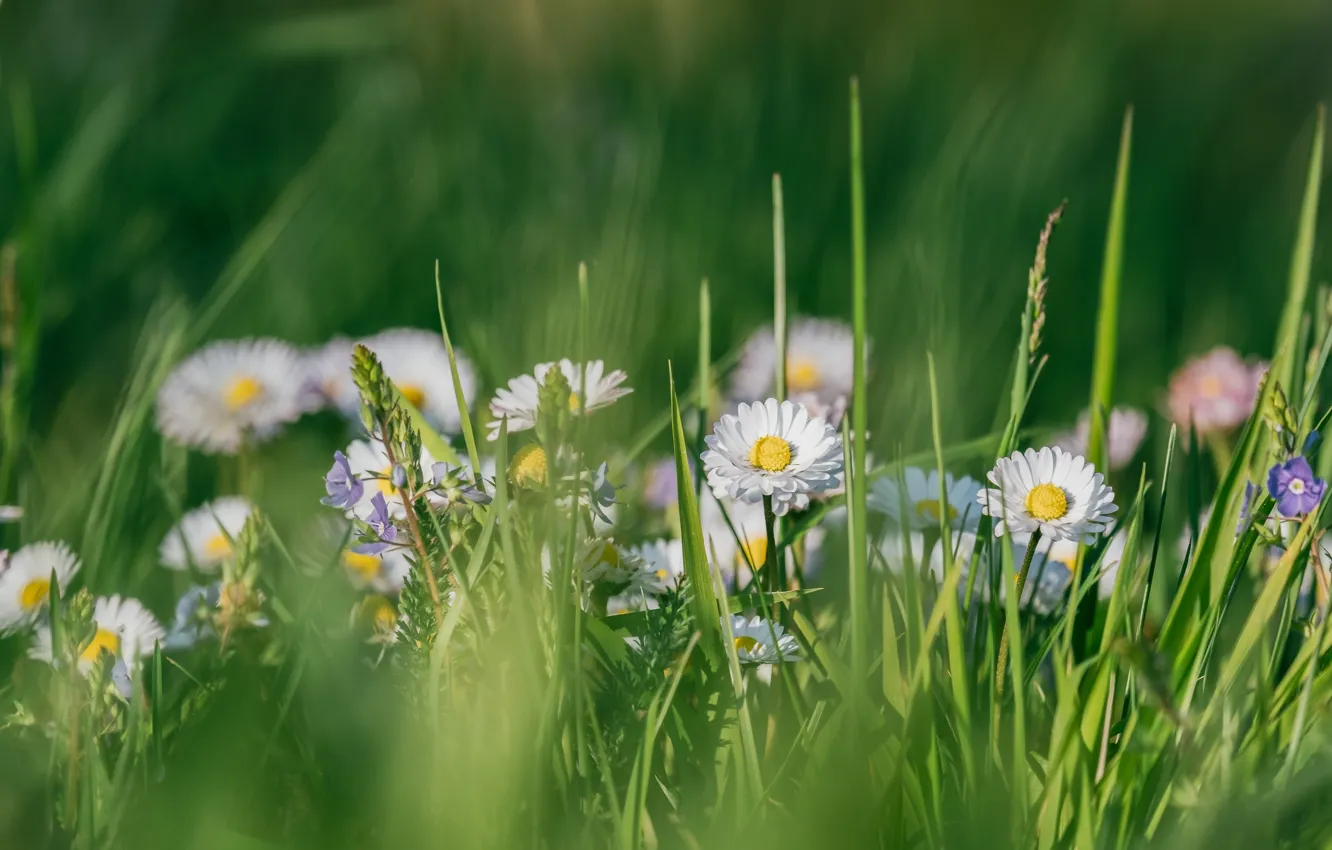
<point x="1127" y="427"/>
<point x="1216" y="391"/>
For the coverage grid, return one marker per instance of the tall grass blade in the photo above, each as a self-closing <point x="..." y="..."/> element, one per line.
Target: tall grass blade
<point x="856" y="465"/>
<point x="779" y="287"/>
<point x="469" y="437"/>
<point x="1297" y="290"/>
<point x="703" y="600"/>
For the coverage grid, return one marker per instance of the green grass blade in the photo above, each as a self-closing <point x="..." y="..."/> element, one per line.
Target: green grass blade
<point x="1297" y="290"/>
<point x="703" y="398"/>
<point x="1107" y="323"/>
<point x="702" y="598"/>
<point x="779" y="287"/>
<point x="468" y="436"/>
<point x="855" y="452"/>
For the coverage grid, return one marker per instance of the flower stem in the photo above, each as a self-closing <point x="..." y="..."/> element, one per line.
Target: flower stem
<point x="1001" y="667"/>
<point x="771" y="563"/>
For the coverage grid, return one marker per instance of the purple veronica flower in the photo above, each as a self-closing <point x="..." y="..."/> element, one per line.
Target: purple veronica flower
<point x="344" y="488"/>
<point x="601" y="494"/>
<point x="382" y="525"/>
<point x="1293" y="485"/>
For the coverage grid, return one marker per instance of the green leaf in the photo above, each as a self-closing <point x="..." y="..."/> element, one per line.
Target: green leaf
<point x="702" y="598"/>
<point x="1297" y="290"/>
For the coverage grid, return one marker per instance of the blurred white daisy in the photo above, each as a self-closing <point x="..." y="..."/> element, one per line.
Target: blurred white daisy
<point x="418" y="364"/>
<point x="760" y="641"/>
<point x="776" y="450"/>
<point x="820" y="362"/>
<point x="231" y="392"/>
<point x="519" y="400"/>
<point x="1047" y="581"/>
<point x="377" y="616"/>
<point x="603" y="561"/>
<point x="662" y="564"/>
<point x="203" y="537"/>
<point x="1127" y="428"/>
<point x="25" y="584"/>
<point x="383" y="573"/>
<point x="125" y="629"/>
<point x="1052" y="491"/>
<point x="921" y="508"/>
<point x="328" y="370"/>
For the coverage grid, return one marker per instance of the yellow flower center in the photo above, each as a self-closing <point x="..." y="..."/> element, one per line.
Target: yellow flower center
<point x="1296" y="487"/>
<point x="528" y="468"/>
<point x="1047" y="502"/>
<point x="414" y="394"/>
<point x="930" y="509"/>
<point x="241" y="392"/>
<point x="105" y="639"/>
<point x="1209" y="386"/>
<point x="377" y="612"/>
<point x="34" y="593"/>
<point x="746" y="643"/>
<point x="573" y="402"/>
<point x="801" y="376"/>
<point x="757" y="550"/>
<point x="770" y="453"/>
<point x="365" y="567"/>
<point x="218" y="547"/>
<point x="385" y="483"/>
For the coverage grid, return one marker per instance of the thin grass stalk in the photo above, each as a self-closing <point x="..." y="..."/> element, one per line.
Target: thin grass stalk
<point x="859" y="543"/>
<point x="469" y="437"/>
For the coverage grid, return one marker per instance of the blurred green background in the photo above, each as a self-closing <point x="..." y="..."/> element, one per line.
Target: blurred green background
<point x="320" y="158"/>
<point x="295" y="169"/>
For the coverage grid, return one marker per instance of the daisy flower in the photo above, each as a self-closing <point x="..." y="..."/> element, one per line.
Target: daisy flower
<point x="1216" y="392"/>
<point x="921" y="508"/>
<point x="25" y="584"/>
<point x="1050" y="491"/>
<point x="329" y="377"/>
<point x="231" y="392"/>
<point x="203" y="536"/>
<point x="383" y="573"/>
<point x="418" y="364"/>
<point x="820" y="362"/>
<point x="662" y="564"/>
<point x="1124" y="435"/>
<point x="518" y="401"/>
<point x="773" y="450"/>
<point x="759" y="641"/>
<point x="378" y="616"/>
<point x="125" y="629"/>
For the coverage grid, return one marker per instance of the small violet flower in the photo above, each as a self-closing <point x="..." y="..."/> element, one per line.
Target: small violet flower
<point x="382" y="525"/>
<point x="602" y="494"/>
<point x="1293" y="485"/>
<point x="344" y="488"/>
